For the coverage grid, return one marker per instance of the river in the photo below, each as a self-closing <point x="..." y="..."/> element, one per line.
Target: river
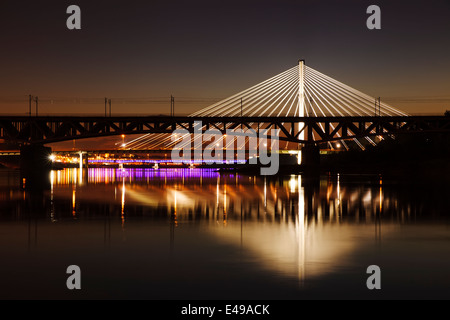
<point x="198" y="234"/>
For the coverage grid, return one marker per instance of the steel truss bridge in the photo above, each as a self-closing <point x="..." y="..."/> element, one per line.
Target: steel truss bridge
<point x="304" y="130"/>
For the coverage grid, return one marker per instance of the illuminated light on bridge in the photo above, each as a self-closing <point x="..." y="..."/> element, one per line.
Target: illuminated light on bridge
<point x="298" y="92"/>
<point x="168" y="161"/>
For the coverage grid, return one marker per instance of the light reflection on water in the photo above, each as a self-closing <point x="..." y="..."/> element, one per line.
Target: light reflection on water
<point x="301" y="234"/>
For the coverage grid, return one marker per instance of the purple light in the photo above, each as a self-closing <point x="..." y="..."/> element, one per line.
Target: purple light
<point x="131" y="161"/>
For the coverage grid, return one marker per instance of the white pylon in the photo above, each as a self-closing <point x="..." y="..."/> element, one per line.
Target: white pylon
<point x="301" y="102"/>
<point x="301" y="88"/>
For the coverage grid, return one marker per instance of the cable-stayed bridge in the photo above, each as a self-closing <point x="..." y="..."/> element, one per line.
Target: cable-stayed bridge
<point x="305" y="105"/>
<point x="308" y="107"/>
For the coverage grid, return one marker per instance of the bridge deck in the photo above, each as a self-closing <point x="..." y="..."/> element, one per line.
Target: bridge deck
<point x="47" y="129"/>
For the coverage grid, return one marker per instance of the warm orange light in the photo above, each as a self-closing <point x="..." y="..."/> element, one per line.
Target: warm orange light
<point x="74" y="212"/>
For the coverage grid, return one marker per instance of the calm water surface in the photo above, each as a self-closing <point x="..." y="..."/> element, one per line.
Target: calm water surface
<point x="198" y="234"/>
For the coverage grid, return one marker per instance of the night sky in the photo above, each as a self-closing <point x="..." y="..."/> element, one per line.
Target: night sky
<point x="138" y="53"/>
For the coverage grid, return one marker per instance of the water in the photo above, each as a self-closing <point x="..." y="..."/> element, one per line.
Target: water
<point x="197" y="234"/>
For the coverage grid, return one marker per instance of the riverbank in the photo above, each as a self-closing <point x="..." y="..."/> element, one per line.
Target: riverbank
<point x="418" y="156"/>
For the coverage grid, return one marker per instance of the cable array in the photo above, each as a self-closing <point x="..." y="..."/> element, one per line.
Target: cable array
<point x="278" y="97"/>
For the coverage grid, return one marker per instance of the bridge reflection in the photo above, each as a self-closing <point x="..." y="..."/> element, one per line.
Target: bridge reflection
<point x="295" y="225"/>
<point x="199" y="194"/>
<point x="206" y="194"/>
<point x="290" y="221"/>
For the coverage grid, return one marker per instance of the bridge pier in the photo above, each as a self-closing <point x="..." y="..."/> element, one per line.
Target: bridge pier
<point x="84" y="160"/>
<point x="310" y="156"/>
<point x="84" y="168"/>
<point x="35" y="167"/>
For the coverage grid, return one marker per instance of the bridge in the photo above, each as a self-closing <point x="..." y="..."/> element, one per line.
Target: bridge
<point x="303" y="130"/>
<point x="308" y="108"/>
<point x="305" y="105"/>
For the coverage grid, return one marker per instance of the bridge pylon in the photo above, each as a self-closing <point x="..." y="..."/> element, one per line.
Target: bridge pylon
<point x="301" y="89"/>
<point x="301" y="105"/>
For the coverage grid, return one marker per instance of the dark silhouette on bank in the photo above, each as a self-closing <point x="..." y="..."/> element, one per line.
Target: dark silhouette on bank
<point x="419" y="155"/>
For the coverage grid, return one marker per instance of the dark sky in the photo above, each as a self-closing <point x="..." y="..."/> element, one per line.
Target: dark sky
<point x="138" y="53"/>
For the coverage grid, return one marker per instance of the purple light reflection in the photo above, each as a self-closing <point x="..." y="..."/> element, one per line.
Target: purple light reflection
<point x="114" y="175"/>
<point x="134" y="161"/>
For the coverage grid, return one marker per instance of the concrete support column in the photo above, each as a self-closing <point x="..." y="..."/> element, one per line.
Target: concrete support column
<point x="86" y="161"/>
<point x="83" y="168"/>
<point x="35" y="167"/>
<point x="310" y="156"/>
